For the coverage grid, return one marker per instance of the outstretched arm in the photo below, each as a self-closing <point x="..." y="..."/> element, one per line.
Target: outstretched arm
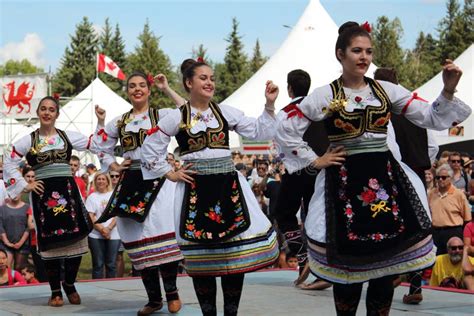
<point x="161" y="82"/>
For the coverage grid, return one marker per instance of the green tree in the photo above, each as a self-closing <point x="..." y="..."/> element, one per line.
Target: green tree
<point x="422" y="63"/>
<point x="14" y="67"/>
<point x="113" y="46"/>
<point x="236" y="70"/>
<point x="78" y="65"/>
<point x="451" y="32"/>
<point x="150" y="59"/>
<point x="468" y="22"/>
<point x="258" y="59"/>
<point x="385" y="40"/>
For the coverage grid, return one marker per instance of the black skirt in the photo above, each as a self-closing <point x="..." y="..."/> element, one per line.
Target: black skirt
<point x="372" y="210"/>
<point x="214" y="208"/>
<point x="60" y="214"/>
<point x="132" y="197"/>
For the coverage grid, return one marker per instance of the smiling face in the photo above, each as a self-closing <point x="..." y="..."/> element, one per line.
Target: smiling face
<point x="101" y="183"/>
<point x="47" y="112"/>
<point x="138" y="90"/>
<point x="3" y="260"/>
<point x="202" y="84"/>
<point x="357" y="57"/>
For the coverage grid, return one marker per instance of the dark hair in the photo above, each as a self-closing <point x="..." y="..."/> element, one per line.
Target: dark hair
<point x="29" y="268"/>
<point x="188" y="67"/>
<point x="347" y="32"/>
<point x="386" y="74"/>
<point x="139" y="74"/>
<point x="56" y="103"/>
<point x="290" y="255"/>
<point x="4" y="251"/>
<point x="75" y="158"/>
<point x="299" y="81"/>
<point x="26" y="170"/>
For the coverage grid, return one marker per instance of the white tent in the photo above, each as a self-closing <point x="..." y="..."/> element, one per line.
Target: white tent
<point x="431" y="90"/>
<point x="309" y="46"/>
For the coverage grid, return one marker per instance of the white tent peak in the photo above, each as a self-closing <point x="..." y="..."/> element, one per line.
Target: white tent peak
<point x="310" y="46"/>
<point x="431" y="90"/>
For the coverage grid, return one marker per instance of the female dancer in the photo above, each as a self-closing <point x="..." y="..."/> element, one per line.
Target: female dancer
<point x="61" y="219"/>
<point x="368" y="219"/>
<point x="220" y="227"/>
<point x="143" y="207"/>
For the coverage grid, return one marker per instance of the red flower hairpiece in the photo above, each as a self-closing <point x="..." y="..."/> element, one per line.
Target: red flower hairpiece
<point x="200" y="60"/>
<point x="56" y="96"/>
<point x="366" y="26"/>
<point x="150" y="79"/>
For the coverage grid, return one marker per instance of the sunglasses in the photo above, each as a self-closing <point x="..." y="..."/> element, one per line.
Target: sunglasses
<point x="456" y="247"/>
<point x="455" y="161"/>
<point x="114" y="175"/>
<point x="441" y="177"/>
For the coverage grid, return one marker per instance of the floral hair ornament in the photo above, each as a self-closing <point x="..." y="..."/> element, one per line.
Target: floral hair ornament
<point x="200" y="60"/>
<point x="56" y="96"/>
<point x="366" y="26"/>
<point x="150" y="79"/>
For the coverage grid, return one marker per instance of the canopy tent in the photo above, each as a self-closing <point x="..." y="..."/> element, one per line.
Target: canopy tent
<point x="460" y="138"/>
<point x="309" y="46"/>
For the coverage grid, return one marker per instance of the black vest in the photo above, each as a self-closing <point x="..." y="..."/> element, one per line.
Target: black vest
<point x="132" y="140"/>
<point x="37" y="159"/>
<point x="214" y="138"/>
<point x="341" y="125"/>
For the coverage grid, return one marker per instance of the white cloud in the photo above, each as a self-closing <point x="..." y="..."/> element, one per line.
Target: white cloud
<point x="31" y="48"/>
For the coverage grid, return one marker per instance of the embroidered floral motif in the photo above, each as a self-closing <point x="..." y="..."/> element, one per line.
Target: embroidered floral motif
<point x="197" y="144"/>
<point x="377" y="198"/>
<point x="214" y="214"/>
<point x="217" y="140"/>
<point x="133" y="209"/>
<point x="57" y="203"/>
<point x="382" y="121"/>
<point x="347" y="127"/>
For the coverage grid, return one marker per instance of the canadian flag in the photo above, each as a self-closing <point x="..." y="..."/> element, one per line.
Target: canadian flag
<point x="107" y="65"/>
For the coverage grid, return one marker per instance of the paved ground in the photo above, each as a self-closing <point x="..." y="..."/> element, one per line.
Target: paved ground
<point x="265" y="293"/>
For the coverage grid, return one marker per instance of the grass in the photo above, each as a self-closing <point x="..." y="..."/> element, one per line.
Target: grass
<point x="85" y="270"/>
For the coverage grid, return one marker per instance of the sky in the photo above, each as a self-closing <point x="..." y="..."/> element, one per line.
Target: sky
<point x="40" y="30"/>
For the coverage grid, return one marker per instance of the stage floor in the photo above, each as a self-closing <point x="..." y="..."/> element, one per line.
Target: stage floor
<point x="269" y="292"/>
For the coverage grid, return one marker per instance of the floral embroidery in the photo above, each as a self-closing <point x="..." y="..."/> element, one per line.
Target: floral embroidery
<point x="214" y="214"/>
<point x="347" y="127"/>
<point x="377" y="198"/>
<point x="193" y="145"/>
<point x="382" y="121"/>
<point x="133" y="209"/>
<point x="57" y="203"/>
<point x="217" y="140"/>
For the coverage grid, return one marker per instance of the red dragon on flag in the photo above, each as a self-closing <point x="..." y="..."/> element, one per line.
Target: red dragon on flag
<point x="22" y="96"/>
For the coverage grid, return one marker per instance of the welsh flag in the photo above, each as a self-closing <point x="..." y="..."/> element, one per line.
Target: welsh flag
<point x="107" y="65"/>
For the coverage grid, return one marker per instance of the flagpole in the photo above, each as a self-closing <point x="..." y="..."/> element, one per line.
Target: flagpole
<point x="97" y="66"/>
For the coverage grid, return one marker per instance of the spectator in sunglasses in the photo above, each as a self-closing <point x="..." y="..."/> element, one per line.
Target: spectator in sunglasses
<point x="460" y="178"/>
<point x="448" y="268"/>
<point x="449" y="207"/>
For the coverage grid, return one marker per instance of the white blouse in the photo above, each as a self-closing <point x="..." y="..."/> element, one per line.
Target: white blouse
<point x="106" y="147"/>
<point x="154" y="152"/>
<point x="442" y="114"/>
<point x="12" y="161"/>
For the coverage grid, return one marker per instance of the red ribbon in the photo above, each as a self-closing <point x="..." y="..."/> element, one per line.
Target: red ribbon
<point x="103" y="133"/>
<point x="200" y="60"/>
<point x="366" y="26"/>
<point x="293" y="110"/>
<point x="15" y="153"/>
<point x="152" y="130"/>
<point x="413" y="97"/>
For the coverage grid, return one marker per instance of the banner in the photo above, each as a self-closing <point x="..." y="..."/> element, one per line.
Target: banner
<point x="21" y="94"/>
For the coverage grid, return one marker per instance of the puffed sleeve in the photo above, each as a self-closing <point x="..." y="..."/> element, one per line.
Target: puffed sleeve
<point x="14" y="181"/>
<point x="155" y="147"/>
<point x="261" y="128"/>
<point x="104" y="141"/>
<point x="440" y="115"/>
<point x="297" y="154"/>
<point x="79" y="141"/>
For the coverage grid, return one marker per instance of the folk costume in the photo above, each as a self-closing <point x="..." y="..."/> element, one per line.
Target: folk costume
<point x="368" y="218"/>
<point x="297" y="187"/>
<point x="61" y="220"/>
<point x="143" y="207"/>
<point x="220" y="227"/>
